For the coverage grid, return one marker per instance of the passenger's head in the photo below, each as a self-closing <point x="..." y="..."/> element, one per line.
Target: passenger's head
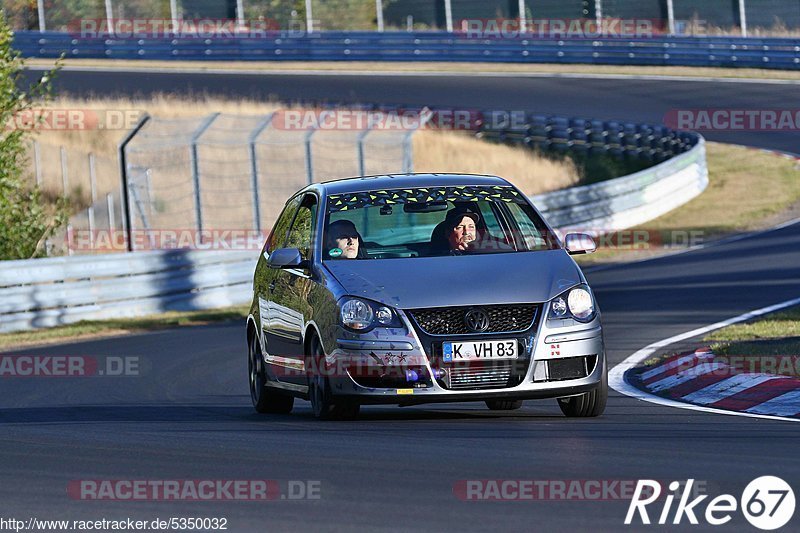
<point x="343" y="235"/>
<point x="461" y="228"/>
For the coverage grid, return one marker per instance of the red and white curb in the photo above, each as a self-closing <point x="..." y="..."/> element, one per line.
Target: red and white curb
<point x="696" y="387"/>
<point x="699" y="379"/>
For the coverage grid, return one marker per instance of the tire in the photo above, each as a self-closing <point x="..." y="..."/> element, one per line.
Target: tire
<point x="264" y="399"/>
<point x="319" y="390"/>
<point x="588" y="404"/>
<point x="503" y="405"/>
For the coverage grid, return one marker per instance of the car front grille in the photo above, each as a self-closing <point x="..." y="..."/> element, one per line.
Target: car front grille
<point x="452" y="320"/>
<point x="469" y="378"/>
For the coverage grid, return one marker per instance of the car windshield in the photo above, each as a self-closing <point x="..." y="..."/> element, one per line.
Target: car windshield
<point x="432" y="221"/>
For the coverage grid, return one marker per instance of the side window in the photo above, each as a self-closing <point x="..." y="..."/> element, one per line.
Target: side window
<point x="490" y="219"/>
<point x="281" y="227"/>
<point x="530" y="233"/>
<point x="300" y="236"/>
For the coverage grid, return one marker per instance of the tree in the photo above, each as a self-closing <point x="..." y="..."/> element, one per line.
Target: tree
<point x="25" y="218"/>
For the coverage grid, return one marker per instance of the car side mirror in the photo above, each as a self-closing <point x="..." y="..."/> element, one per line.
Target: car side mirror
<point x="286" y="258"/>
<point x="579" y="243"/>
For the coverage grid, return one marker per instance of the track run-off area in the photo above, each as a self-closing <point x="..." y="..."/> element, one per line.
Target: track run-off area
<point x="188" y="414"/>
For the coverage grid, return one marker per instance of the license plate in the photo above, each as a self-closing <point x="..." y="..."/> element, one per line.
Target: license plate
<point x="479" y="351"/>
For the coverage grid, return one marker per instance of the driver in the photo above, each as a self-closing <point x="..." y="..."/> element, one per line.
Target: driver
<point x="461" y="230"/>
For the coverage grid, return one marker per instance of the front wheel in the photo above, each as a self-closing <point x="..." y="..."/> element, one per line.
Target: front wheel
<point x="319" y="390"/>
<point x="264" y="399"/>
<point x="588" y="404"/>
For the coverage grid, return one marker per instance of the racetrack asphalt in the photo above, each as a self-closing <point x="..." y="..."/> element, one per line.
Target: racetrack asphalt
<point x="634" y="100"/>
<point x="188" y="416"/>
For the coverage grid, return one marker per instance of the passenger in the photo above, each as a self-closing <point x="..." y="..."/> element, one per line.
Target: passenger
<point x="344" y="241"/>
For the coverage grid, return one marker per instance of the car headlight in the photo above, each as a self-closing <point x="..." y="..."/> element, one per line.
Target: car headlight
<point x="580" y="304"/>
<point x="357" y="314"/>
<point x="558" y="307"/>
<point x="576" y="303"/>
<point x="361" y="315"/>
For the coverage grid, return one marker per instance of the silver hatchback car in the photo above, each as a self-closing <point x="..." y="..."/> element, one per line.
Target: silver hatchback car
<point x="418" y="288"/>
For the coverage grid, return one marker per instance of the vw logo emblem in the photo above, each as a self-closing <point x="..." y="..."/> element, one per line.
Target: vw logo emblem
<point x="477" y="320"/>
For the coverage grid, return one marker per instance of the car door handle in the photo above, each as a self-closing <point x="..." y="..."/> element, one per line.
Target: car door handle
<point x="272" y="286"/>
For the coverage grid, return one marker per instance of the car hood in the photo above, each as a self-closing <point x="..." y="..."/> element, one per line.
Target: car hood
<point x="522" y="277"/>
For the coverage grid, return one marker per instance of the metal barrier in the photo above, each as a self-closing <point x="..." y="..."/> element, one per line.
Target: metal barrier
<point x="630" y="200"/>
<point x="427" y="46"/>
<point x="53" y="291"/>
<point x="47" y="292"/>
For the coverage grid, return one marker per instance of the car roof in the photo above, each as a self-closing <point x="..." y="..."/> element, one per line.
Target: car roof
<point x="404" y="181"/>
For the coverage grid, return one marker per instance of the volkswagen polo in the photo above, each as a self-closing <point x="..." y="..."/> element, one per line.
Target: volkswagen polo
<point x="417" y="288"/>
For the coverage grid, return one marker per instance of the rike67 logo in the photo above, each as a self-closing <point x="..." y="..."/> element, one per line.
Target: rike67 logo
<point x="767" y="503"/>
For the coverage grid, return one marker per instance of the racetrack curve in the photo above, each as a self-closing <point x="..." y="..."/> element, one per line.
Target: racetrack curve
<point x="189" y="415"/>
<point x="631" y="99"/>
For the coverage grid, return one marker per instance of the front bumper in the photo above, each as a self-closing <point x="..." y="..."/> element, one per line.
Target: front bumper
<point x="392" y="353"/>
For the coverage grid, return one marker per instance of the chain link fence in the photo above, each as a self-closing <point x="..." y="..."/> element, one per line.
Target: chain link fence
<point x="216" y="173"/>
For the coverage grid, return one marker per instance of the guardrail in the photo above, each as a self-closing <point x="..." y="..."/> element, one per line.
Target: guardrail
<point x="426" y="46"/>
<point x="630" y="200"/>
<point x="48" y="292"/>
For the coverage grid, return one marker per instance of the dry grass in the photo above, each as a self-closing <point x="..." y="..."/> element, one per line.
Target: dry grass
<point x="434" y="67"/>
<point x="436" y="151"/>
<point x="433" y="150"/>
<point x="104" y="143"/>
<point x="161" y="106"/>
<point x="730" y="203"/>
<point x="748" y="190"/>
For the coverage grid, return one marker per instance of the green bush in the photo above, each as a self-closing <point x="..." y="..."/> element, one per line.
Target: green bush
<point x="25" y="218"/>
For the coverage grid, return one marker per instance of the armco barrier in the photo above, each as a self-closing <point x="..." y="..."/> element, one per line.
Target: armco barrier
<point x="779" y="53"/>
<point x="630" y="200"/>
<point x="47" y="292"/>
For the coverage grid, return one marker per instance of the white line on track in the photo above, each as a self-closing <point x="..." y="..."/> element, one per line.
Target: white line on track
<point x="407" y="73"/>
<point x="616" y="376"/>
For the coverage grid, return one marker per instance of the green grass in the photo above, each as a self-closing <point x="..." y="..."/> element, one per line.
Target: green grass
<point x="777" y="334"/>
<point x="104" y="328"/>
<point x="747" y="190"/>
